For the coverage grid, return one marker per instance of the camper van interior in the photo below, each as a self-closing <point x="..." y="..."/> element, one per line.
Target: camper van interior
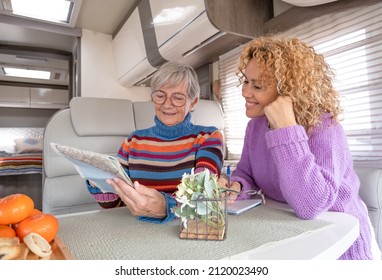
<point x="102" y="55"/>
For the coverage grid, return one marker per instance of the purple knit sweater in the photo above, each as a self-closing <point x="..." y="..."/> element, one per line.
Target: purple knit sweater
<point x="312" y="174"/>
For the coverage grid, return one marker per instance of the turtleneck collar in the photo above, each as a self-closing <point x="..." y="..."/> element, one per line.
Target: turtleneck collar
<point x="172" y="132"/>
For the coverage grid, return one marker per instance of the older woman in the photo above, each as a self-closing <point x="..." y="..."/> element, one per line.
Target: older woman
<point x="295" y="149"/>
<point x="157" y="157"/>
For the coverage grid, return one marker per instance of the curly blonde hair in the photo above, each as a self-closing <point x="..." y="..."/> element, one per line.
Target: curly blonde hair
<point x="299" y="72"/>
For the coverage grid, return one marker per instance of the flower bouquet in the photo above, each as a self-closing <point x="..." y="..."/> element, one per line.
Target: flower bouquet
<point x="201" y="207"/>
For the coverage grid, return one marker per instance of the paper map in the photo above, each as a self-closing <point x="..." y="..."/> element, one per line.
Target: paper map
<point x="93" y="166"/>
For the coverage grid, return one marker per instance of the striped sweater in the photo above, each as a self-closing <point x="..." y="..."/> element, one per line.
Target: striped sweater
<point x="157" y="157"/>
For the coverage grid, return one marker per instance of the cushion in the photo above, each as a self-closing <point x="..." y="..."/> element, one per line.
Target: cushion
<point x="7" y="146"/>
<point x="92" y="116"/>
<point x="29" y="145"/>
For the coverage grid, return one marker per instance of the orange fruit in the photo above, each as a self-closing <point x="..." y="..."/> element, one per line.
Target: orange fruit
<point x="33" y="212"/>
<point x="45" y="225"/>
<point x="14" y="208"/>
<point x="7" y="232"/>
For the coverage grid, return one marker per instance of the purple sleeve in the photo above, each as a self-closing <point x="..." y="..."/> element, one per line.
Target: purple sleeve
<point x="243" y="173"/>
<point x="310" y="172"/>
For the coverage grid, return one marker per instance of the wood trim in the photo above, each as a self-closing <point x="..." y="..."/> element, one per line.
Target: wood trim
<point x="240" y="17"/>
<point x="60" y="250"/>
<point x="299" y="15"/>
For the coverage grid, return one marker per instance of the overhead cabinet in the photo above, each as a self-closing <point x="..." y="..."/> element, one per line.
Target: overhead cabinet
<point x="29" y="97"/>
<point x="194" y="32"/>
<point x="130" y="53"/>
<point x="49" y="98"/>
<point x="180" y="26"/>
<point x="14" y="96"/>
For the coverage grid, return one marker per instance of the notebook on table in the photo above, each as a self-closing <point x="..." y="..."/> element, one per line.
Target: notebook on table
<point x="239" y="206"/>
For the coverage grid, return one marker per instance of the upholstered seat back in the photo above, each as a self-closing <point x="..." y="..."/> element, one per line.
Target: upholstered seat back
<point x="371" y="193"/>
<point x="96" y="124"/>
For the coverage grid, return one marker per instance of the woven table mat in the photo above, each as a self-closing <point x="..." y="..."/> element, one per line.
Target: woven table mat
<point x="115" y="234"/>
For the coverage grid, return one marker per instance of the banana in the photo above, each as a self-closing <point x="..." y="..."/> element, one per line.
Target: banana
<point x="38" y="245"/>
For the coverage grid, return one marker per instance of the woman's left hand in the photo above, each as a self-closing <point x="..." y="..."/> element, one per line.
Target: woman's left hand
<point x="140" y="200"/>
<point x="280" y="113"/>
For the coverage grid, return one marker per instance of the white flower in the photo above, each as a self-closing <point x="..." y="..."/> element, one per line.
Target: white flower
<point x="184" y="221"/>
<point x="182" y="188"/>
<point x="198" y="198"/>
<point x="184" y="201"/>
<point x="190" y="176"/>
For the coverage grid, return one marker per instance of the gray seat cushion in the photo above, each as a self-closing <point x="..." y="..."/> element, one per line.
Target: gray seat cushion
<point x="371" y="193"/>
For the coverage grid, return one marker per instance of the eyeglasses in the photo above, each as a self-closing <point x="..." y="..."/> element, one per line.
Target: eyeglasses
<point x="177" y="99"/>
<point x="248" y="192"/>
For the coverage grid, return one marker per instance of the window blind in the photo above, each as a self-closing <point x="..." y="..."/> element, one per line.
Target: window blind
<point x="233" y="103"/>
<point x="351" y="42"/>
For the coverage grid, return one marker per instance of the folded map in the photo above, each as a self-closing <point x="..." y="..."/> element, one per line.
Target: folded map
<point x="93" y="166"/>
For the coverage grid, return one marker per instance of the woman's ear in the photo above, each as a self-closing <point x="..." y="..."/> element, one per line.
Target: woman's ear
<point x="193" y="104"/>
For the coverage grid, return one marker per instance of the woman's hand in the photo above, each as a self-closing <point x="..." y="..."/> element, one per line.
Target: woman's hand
<point x="140" y="200"/>
<point x="280" y="113"/>
<point x="235" y="186"/>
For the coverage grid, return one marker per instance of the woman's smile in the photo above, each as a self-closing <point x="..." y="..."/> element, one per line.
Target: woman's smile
<point x="249" y="104"/>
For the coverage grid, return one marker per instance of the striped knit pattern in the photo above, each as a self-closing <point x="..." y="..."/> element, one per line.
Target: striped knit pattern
<point x="157" y="157"/>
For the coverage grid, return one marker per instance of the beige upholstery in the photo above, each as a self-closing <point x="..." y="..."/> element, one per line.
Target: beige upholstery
<point x="100" y="125"/>
<point x="371" y="193"/>
<point x="95" y="124"/>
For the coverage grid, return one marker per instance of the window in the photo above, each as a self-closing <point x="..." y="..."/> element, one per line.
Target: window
<point x="26" y="64"/>
<point x="351" y="42"/>
<point x="233" y="104"/>
<point x="61" y="12"/>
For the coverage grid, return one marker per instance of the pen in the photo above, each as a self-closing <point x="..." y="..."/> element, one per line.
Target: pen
<point x="229" y="176"/>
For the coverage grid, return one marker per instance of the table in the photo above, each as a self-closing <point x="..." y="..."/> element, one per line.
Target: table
<point x="322" y="244"/>
<point x="267" y="232"/>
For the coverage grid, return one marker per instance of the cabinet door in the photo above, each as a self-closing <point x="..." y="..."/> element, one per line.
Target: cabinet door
<point x="14" y="97"/>
<point x="171" y="16"/>
<point x="49" y="98"/>
<point x="180" y="27"/>
<point x="128" y="45"/>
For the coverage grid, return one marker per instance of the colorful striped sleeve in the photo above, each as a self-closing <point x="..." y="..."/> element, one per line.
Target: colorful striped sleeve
<point x="210" y="153"/>
<point x="123" y="155"/>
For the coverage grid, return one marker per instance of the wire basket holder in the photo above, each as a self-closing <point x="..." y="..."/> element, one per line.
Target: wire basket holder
<point x="210" y="221"/>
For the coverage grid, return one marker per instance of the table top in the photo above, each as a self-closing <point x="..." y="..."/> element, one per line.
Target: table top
<point x="327" y="243"/>
<point x="270" y="231"/>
